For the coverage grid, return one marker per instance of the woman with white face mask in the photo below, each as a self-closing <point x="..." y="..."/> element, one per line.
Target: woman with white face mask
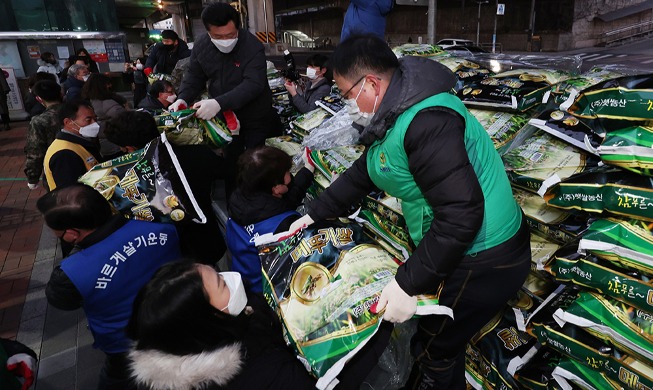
<point x="315" y="88"/>
<point x="196" y="328"/>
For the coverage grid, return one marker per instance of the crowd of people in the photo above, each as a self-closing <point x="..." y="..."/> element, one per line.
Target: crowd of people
<point x="156" y="301"/>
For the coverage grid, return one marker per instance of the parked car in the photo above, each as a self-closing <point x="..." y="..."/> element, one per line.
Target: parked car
<point x="446" y="43"/>
<point x="470" y="50"/>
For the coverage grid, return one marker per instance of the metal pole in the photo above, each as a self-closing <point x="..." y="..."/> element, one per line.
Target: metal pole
<point x="265" y="18"/>
<point x="478" y="22"/>
<point x="494" y="35"/>
<point x="433" y="5"/>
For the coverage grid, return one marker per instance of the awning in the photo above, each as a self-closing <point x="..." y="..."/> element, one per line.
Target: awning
<point x="626" y="11"/>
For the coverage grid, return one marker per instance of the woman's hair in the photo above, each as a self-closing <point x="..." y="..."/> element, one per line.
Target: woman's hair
<point x="158" y="87"/>
<point x="83" y="50"/>
<point x="131" y="128"/>
<point x="172" y="314"/>
<point x="262" y="168"/>
<point x="96" y="87"/>
<point x="46" y="55"/>
<point x="39" y="76"/>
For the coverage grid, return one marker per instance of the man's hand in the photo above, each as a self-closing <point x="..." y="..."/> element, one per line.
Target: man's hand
<point x="399" y="306"/>
<point x="207" y="109"/>
<point x="179" y="104"/>
<point x="32" y="186"/>
<point x="291" y="88"/>
<point x="301" y="223"/>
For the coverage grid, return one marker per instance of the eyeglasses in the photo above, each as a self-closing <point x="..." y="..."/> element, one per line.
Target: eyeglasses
<point x="344" y="95"/>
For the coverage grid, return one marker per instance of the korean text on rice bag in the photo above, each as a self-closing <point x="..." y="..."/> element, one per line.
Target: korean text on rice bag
<point x="147" y="185"/>
<point x="609" y="189"/>
<point x="567" y="90"/>
<point x="322" y="281"/>
<point x="627" y="97"/>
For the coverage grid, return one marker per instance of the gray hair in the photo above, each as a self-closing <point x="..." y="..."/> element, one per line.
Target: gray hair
<point x="72" y="71"/>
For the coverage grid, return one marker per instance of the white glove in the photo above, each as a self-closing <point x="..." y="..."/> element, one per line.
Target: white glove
<point x="207" y="109"/>
<point x="179" y="104"/>
<point x="32" y="186"/>
<point x="301" y="223"/>
<point x="399" y="306"/>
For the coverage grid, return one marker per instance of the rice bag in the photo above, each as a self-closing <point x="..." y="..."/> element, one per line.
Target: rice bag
<point x="609" y="189"/>
<point x="154" y="77"/>
<point x="628" y="244"/>
<point x="630" y="148"/>
<point x="310" y="120"/>
<point x="332" y="103"/>
<point x="552" y="223"/>
<point x="147" y="184"/>
<point x="184" y="128"/>
<point x="630" y="287"/>
<point x="466" y="71"/>
<point x="542" y="250"/>
<point x="516" y="90"/>
<point x="336" y="160"/>
<point x="567" y="90"/>
<point x="418" y="49"/>
<point x="292" y="148"/>
<point x="628" y="371"/>
<point x="541" y="157"/>
<point x="322" y="282"/>
<point x="628" y="97"/>
<point x="569" y="373"/>
<point x="497" y="350"/>
<point x="568" y="128"/>
<point x="382" y="215"/>
<point x="537" y="371"/>
<point x="623" y="326"/>
<point x="503" y="127"/>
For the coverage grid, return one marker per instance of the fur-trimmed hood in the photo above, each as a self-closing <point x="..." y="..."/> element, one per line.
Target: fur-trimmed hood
<point x="163" y="371"/>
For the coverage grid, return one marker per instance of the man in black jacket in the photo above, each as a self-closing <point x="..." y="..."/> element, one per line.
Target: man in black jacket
<point x="233" y="62"/>
<point x="159" y="97"/>
<point x="165" y="54"/>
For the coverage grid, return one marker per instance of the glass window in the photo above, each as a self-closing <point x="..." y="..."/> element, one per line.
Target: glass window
<point x="60" y="15"/>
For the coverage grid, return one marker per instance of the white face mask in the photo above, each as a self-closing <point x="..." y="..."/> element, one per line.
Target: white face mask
<point x="225" y="45"/>
<point x="311" y="73"/>
<point x="361" y="118"/>
<point x="237" y="296"/>
<point x="86" y="77"/>
<point x="171" y="98"/>
<point x="89" y="131"/>
<point x="139" y="66"/>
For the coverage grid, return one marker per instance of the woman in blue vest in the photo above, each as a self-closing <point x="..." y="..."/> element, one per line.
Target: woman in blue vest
<point x="425" y="148"/>
<point x="264" y="202"/>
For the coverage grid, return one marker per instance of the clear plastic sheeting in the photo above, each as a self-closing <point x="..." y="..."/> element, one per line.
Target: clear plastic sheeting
<point x="335" y="131"/>
<point x="499" y="62"/>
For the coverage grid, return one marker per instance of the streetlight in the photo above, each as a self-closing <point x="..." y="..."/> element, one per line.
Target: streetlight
<point x="478" y="21"/>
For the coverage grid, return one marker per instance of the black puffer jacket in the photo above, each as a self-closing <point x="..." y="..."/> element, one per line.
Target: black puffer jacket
<point x="165" y="59"/>
<point x="237" y="80"/>
<point x="439" y="163"/>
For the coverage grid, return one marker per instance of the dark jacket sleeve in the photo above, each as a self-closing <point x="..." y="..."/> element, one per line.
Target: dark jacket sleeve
<point x="438" y="161"/>
<point x="352" y="186"/>
<point x="153" y="57"/>
<point x="254" y="79"/>
<point x="298" y="187"/>
<point x="194" y="80"/>
<point x="66" y="167"/>
<point x="61" y="292"/>
<point x="36" y="146"/>
<point x="306" y="102"/>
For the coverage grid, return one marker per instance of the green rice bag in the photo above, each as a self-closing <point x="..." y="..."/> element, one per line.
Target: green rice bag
<point x="467" y="71"/>
<point x="147" y="184"/>
<point x="322" y="282"/>
<point x="336" y="160"/>
<point x="217" y="132"/>
<point x="609" y="189"/>
<point x="592" y="273"/>
<point x="627" y="328"/>
<point x="291" y="147"/>
<point x="310" y="120"/>
<point x="567" y="90"/>
<point x="552" y="223"/>
<point x="628" y="244"/>
<point x="630" y="148"/>
<point x="537" y="371"/>
<point x="569" y="374"/>
<point x="541" y="157"/>
<point x="628" y="97"/>
<point x="516" y="90"/>
<point x="542" y="250"/>
<point x="569" y="340"/>
<point x="567" y="128"/>
<point x="503" y="127"/>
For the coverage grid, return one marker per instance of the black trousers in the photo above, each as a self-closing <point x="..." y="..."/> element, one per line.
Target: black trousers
<point x="476" y="291"/>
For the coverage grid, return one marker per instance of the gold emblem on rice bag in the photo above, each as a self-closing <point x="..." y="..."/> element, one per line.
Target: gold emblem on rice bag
<point x="466" y="91"/>
<point x="177" y="214"/>
<point x="571" y="121"/>
<point x="557" y="115"/>
<point x="477" y="92"/>
<point x="308" y="281"/>
<point x="171" y="201"/>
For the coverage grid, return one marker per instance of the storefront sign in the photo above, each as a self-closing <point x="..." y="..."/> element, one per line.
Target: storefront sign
<point x="97" y="50"/>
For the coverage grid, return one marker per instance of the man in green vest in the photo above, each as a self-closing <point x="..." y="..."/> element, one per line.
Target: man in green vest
<point x="425" y="148"/>
<point x="75" y="149"/>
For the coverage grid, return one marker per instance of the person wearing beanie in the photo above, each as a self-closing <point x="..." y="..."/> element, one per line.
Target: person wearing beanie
<point x="165" y="54"/>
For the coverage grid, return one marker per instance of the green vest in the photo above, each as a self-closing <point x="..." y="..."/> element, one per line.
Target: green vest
<point x="387" y="166"/>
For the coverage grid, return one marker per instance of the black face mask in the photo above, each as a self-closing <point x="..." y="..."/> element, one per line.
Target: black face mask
<point x="168" y="47"/>
<point x="51" y="61"/>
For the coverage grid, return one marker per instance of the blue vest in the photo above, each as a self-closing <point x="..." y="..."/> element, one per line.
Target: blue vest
<point x="244" y="255"/>
<point x="110" y="273"/>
